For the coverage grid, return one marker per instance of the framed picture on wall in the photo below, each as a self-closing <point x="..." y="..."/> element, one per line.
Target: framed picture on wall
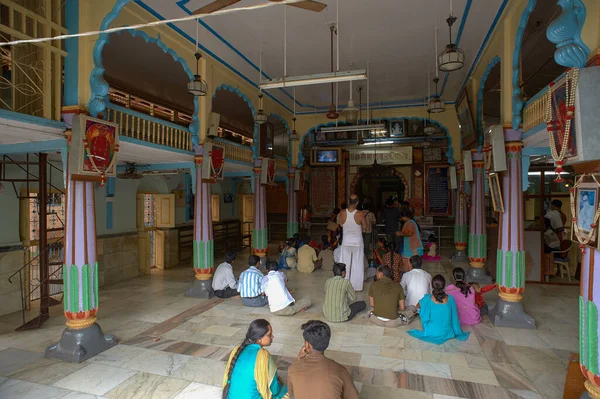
<point x="415" y="128"/>
<point x="468" y="131"/>
<point x="496" y="192"/>
<point x="586" y="203"/>
<point x="397" y="128"/>
<point x="228" y="198"/>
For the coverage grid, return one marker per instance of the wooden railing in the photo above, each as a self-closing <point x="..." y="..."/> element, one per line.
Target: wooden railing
<point x="136" y="103"/>
<point x="147" y="128"/>
<point x="535" y="108"/>
<point x="235" y="151"/>
<point x="281" y="163"/>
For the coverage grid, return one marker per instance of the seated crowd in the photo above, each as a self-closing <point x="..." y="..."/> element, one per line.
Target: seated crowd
<point x="401" y="291"/>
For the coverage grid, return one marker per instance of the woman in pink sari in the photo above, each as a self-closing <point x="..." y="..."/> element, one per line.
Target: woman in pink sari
<point x="464" y="296"/>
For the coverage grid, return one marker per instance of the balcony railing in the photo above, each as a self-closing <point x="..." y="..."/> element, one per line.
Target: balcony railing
<point x="281" y="163"/>
<point x="150" y="129"/>
<point x="235" y="151"/>
<point x="139" y="104"/>
<point x="535" y="108"/>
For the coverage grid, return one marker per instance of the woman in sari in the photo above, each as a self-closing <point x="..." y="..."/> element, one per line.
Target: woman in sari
<point x="380" y="251"/>
<point x="332" y="235"/>
<point x="288" y="257"/>
<point x="438" y="316"/>
<point x="251" y="372"/>
<point x="412" y="238"/>
<point x="464" y="296"/>
<point x="393" y="260"/>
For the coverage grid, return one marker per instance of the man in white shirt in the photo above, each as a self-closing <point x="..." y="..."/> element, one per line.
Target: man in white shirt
<point x="281" y="302"/>
<point x="416" y="283"/>
<point x="224" y="283"/>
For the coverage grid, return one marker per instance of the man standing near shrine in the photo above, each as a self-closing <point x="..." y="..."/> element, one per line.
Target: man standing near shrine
<point x="352" y="248"/>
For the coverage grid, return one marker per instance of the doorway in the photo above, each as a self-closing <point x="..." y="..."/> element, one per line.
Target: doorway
<point x="155" y="212"/>
<point x="380" y="187"/>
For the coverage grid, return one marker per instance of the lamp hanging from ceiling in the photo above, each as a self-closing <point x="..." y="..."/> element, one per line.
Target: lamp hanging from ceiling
<point x="332" y="113"/>
<point x="452" y="58"/>
<point x="359" y="134"/>
<point x="294" y="136"/>
<point x="261" y="115"/>
<point x="351" y="112"/>
<point x="436" y="104"/>
<point x="428" y="128"/>
<point x="197" y="86"/>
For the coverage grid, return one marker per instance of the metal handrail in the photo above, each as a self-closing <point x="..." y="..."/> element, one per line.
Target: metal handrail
<point x="50" y="246"/>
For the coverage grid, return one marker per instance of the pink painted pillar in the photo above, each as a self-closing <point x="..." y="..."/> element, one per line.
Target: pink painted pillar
<point x="83" y="338"/>
<point x="477" y="227"/>
<point x="260" y="236"/>
<point x="461" y="227"/>
<point x="510" y="256"/>
<point x="292" y="219"/>
<point x="204" y="248"/>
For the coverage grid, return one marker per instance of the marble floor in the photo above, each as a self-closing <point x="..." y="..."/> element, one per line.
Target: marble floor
<point x="171" y="346"/>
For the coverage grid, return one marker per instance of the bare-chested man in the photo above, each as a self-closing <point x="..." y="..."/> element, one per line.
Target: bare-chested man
<point x="352" y="246"/>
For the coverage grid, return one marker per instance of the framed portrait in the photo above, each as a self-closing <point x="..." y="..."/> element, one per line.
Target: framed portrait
<point x="586" y="203"/>
<point x="415" y="128"/>
<point x="320" y="137"/>
<point x="94" y="147"/>
<point x="397" y="128"/>
<point x="496" y="192"/>
<point x="228" y="198"/>
<point x="468" y="132"/>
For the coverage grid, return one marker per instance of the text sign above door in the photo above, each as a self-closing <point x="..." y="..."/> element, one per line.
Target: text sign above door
<point x="396" y="156"/>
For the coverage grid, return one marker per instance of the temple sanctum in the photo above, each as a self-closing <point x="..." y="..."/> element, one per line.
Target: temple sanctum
<point x="185" y="182"/>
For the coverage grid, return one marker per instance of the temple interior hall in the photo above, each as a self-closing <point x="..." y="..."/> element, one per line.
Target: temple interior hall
<point x="149" y="149"/>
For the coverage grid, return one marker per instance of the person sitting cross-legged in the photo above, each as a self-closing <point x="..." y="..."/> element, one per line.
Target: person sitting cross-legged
<point x="250" y="284"/>
<point x="416" y="283"/>
<point x="387" y="301"/>
<point x="338" y="291"/>
<point x="224" y="283"/>
<point x="308" y="261"/>
<point x="281" y="302"/>
<point x="313" y="375"/>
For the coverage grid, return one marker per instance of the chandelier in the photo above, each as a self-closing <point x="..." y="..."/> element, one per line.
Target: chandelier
<point x="452" y="58"/>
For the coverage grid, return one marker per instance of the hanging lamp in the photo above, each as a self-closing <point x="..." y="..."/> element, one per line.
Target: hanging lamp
<point x="261" y="115"/>
<point x="332" y="113"/>
<point x="197" y="86"/>
<point x="359" y="134"/>
<point x="436" y="104"/>
<point x="452" y="58"/>
<point x="428" y="129"/>
<point x="294" y="136"/>
<point x="351" y="112"/>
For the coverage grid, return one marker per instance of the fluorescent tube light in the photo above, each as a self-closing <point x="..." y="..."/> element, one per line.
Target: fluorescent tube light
<point x="321" y="78"/>
<point x="354" y="128"/>
<point x="379" y="143"/>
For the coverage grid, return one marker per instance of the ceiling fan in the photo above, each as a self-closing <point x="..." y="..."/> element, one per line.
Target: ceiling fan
<point x="216" y="5"/>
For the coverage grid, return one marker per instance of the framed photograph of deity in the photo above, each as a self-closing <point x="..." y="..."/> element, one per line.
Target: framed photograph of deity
<point x="397" y="128"/>
<point x="468" y="132"/>
<point x="213" y="163"/>
<point x="94" y="147"/>
<point x="586" y="203"/>
<point x="559" y="105"/>
<point x="415" y="128"/>
<point x="496" y="192"/>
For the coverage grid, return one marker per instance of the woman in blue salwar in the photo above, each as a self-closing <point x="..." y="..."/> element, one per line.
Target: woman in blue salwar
<point x="439" y="316"/>
<point x="251" y="372"/>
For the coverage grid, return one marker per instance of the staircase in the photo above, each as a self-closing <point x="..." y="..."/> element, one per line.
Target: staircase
<point x="40" y="279"/>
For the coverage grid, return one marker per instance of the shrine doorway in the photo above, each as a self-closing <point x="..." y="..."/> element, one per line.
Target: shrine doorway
<point x="379" y="185"/>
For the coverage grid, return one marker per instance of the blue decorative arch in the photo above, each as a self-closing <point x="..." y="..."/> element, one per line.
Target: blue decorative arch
<point x="488" y="69"/>
<point x="99" y="96"/>
<point x="565" y="32"/>
<point x="517" y="101"/>
<point x="237" y="91"/>
<point x="449" y="151"/>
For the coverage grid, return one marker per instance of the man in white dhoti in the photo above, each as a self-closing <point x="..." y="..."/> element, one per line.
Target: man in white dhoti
<point x="352" y="246"/>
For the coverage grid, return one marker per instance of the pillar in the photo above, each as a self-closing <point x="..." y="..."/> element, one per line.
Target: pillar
<point x="461" y="228"/>
<point x="510" y="257"/>
<point x="477" y="228"/>
<point x="292" y="217"/>
<point x="83" y="337"/>
<point x="204" y="245"/>
<point x="260" y="244"/>
<point x="589" y="298"/>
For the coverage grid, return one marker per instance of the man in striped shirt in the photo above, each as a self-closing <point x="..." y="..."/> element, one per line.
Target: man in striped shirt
<point x="338" y="291"/>
<point x="249" y="285"/>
